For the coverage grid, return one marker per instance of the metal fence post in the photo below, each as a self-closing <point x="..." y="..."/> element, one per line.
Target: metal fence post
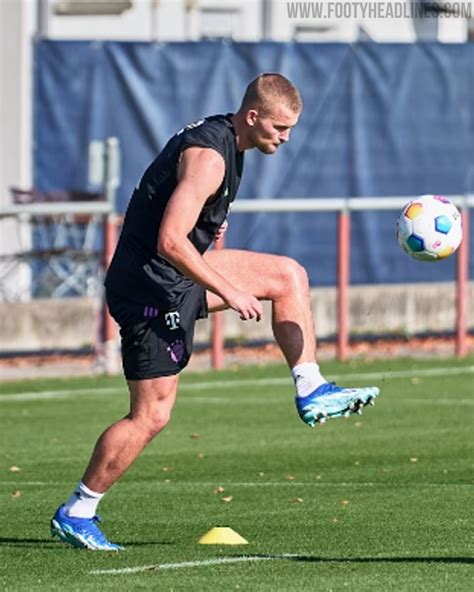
<point x="217" y="329"/>
<point x="343" y="278"/>
<point x="462" y="286"/>
<point x="111" y="183"/>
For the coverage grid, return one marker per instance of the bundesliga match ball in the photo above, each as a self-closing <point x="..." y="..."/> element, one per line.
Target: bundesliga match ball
<point x="429" y="228"/>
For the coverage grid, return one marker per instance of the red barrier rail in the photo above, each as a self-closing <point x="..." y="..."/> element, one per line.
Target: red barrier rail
<point x="110" y="333"/>
<point x="217" y="328"/>
<point x="343" y="280"/>
<point x="462" y="288"/>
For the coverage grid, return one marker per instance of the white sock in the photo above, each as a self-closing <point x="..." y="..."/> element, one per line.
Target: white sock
<point x="307" y="378"/>
<point x="83" y="502"/>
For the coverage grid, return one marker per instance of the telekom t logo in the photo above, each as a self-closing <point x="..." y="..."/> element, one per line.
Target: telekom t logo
<point x="172" y="320"/>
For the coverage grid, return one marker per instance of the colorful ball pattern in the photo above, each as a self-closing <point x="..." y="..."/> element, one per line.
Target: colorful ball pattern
<point x="429" y="228"/>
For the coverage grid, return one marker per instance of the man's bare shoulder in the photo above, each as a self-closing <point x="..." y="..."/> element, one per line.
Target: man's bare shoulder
<point x="203" y="160"/>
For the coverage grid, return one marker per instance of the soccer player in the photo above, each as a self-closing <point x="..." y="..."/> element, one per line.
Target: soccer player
<point x="162" y="279"/>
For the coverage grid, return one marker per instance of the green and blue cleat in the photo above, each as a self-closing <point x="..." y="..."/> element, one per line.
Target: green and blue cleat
<point x="82" y="533"/>
<point x="329" y="401"/>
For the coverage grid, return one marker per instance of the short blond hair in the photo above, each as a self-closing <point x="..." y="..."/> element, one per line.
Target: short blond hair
<point x="269" y="88"/>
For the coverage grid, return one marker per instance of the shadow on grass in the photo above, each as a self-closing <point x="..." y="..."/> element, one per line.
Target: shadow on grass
<point x="51" y="544"/>
<point x="55" y="544"/>
<point x="22" y="542"/>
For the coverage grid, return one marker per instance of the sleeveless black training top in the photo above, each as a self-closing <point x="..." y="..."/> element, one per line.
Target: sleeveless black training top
<point x="137" y="273"/>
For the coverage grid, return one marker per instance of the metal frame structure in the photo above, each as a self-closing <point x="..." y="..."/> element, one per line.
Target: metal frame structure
<point x="106" y="167"/>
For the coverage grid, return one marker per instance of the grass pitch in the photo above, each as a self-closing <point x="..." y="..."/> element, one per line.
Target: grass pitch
<point x="378" y="502"/>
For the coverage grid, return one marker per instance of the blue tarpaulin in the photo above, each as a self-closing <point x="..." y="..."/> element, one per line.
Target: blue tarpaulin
<point x="379" y="119"/>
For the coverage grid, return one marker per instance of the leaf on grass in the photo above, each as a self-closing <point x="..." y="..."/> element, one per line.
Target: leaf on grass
<point x="227" y="499"/>
<point x="413" y="459"/>
<point x="165" y="469"/>
<point x="14" y="469"/>
<point x="297" y="500"/>
<point x="219" y="489"/>
<point x="344" y="502"/>
<point x="195" y="436"/>
<point x="16" y="493"/>
<point x="200" y="455"/>
<point x="290" y="478"/>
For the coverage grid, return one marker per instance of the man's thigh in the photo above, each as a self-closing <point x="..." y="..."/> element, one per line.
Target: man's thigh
<point x="260" y="274"/>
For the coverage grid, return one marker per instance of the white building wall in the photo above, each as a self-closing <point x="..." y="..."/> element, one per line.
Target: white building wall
<point x="170" y="20"/>
<point x="17" y="25"/>
<point x="163" y="20"/>
<point x="243" y="20"/>
<point x="134" y="24"/>
<point x="240" y="20"/>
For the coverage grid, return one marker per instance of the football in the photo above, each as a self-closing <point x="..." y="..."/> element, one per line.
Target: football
<point x="429" y="228"/>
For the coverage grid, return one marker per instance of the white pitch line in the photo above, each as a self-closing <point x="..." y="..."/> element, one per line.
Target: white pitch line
<point x="184" y="564"/>
<point x="44" y="395"/>
<point x="217" y="384"/>
<point x="423" y="372"/>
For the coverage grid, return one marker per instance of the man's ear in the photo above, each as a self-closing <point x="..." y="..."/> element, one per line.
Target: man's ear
<point x="251" y="117"/>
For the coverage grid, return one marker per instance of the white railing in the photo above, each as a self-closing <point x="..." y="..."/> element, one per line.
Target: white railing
<point x="334" y="204"/>
<point x="344" y="206"/>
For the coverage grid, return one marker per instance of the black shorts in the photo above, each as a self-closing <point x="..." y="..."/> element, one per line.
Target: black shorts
<point x="161" y="342"/>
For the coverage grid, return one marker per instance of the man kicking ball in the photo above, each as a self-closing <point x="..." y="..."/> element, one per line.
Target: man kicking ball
<point x="163" y="278"/>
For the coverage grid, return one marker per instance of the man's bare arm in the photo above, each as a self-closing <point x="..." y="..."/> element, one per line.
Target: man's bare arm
<point x="200" y="174"/>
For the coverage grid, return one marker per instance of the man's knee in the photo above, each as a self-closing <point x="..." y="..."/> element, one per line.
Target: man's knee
<point x="152" y="403"/>
<point x="158" y="422"/>
<point x="153" y="423"/>
<point x="293" y="276"/>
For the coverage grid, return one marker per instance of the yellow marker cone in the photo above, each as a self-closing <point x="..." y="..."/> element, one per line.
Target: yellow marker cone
<point x="222" y="535"/>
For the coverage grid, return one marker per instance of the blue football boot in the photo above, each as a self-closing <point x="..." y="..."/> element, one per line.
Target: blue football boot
<point x="330" y="400"/>
<point x="82" y="533"/>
